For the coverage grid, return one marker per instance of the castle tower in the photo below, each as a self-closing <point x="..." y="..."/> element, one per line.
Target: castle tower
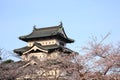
<point x="45" y="43"/>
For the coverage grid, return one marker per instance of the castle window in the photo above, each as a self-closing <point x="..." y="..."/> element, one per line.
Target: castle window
<point x="46" y="43"/>
<point x="53" y="42"/>
<point x="49" y="42"/>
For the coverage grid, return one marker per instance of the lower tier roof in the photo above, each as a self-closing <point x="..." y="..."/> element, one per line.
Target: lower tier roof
<point x="49" y="48"/>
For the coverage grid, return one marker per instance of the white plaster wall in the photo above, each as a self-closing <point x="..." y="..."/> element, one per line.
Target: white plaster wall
<point x="44" y="42"/>
<point x="40" y="55"/>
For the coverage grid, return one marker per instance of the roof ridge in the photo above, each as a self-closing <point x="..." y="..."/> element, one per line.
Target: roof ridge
<point x="57" y="26"/>
<point x="47" y="27"/>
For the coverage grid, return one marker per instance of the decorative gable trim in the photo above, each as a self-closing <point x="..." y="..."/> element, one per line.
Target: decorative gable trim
<point x="35" y="48"/>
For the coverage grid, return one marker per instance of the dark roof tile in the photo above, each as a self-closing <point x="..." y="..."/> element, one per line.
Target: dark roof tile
<point x="47" y="32"/>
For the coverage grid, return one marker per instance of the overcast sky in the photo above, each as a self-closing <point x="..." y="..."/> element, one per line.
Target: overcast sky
<point x="81" y="19"/>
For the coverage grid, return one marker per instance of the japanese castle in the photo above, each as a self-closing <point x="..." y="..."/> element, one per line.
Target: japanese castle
<point x="45" y="43"/>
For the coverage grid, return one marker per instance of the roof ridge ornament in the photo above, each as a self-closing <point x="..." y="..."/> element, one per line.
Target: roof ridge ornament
<point x="61" y="24"/>
<point x="34" y="27"/>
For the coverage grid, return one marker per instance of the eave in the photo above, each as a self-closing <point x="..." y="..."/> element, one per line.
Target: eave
<point x="48" y="32"/>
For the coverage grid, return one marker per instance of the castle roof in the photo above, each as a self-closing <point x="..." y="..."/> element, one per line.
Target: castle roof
<point x="49" y="48"/>
<point x="41" y="33"/>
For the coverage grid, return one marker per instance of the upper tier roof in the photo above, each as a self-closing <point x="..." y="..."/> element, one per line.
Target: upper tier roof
<point x="54" y="31"/>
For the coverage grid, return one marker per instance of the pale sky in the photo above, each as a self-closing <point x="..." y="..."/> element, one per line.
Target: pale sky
<point x="81" y="19"/>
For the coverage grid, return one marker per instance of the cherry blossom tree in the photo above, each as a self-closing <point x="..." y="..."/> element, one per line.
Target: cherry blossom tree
<point x="101" y="62"/>
<point x="103" y="59"/>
